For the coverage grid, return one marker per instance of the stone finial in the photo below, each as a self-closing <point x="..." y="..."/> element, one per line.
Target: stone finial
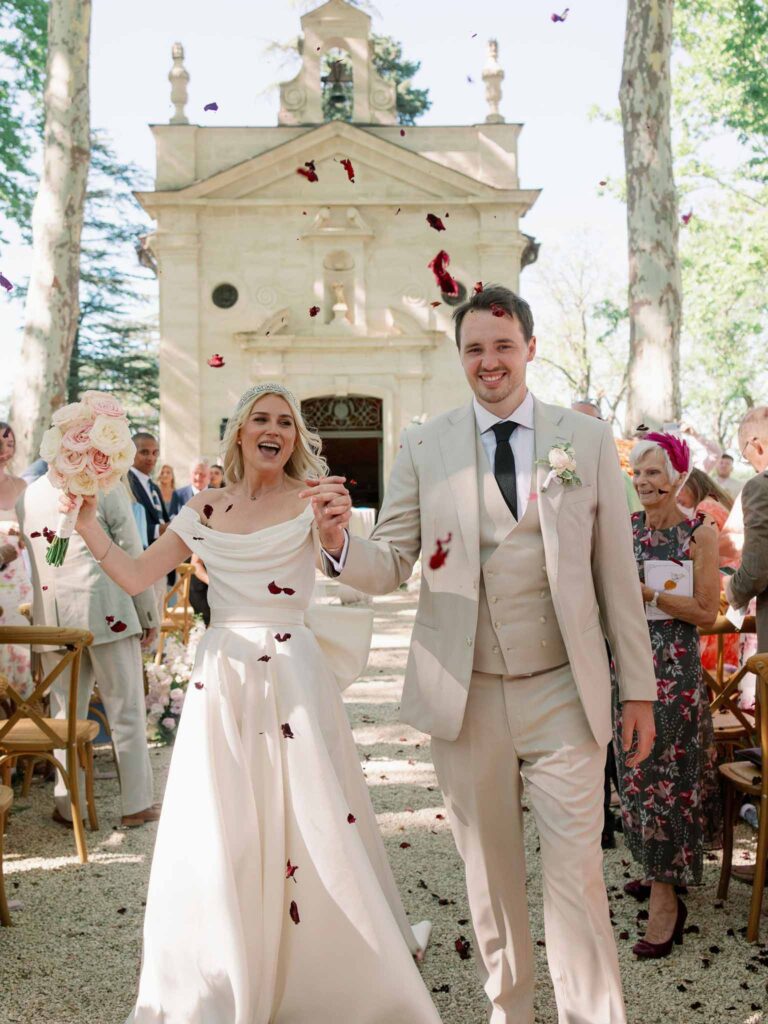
<point x="178" y="76"/>
<point x="493" y="76"/>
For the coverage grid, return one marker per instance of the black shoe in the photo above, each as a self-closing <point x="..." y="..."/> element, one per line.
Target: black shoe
<point x="608" y="840"/>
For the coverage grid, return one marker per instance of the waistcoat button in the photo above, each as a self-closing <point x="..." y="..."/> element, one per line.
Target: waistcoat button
<point x="543" y="593"/>
<point x="494" y="600"/>
<point x="469" y="641"/>
<point x="497" y="625"/>
<point x="543" y="643"/>
<point x="495" y="649"/>
<point x="543" y="618"/>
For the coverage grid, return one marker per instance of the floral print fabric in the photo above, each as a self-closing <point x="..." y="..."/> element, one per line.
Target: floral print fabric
<point x="671" y="802"/>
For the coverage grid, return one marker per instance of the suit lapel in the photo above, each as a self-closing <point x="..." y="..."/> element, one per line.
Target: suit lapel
<point x="548" y="430"/>
<point x="458" y="448"/>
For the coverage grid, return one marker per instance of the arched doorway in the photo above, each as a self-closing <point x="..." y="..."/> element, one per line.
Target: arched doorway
<point x="351" y="429"/>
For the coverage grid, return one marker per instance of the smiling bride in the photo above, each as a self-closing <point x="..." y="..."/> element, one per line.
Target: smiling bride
<point x="271" y="900"/>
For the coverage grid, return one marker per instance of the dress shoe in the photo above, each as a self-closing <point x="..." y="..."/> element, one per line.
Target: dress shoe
<point x="139" y="818"/>
<point x="645" y="950"/>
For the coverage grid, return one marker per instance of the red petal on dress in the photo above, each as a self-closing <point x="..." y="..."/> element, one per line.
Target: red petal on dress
<point x="207" y="511"/>
<point x="351" y="819"/>
<point x="274" y="589"/>
<point x="118" y="627"/>
<point x="290" y="871"/>
<point x="265" y="658"/>
<point x="198" y="686"/>
<point x="282" y="637"/>
<point x="294" y="912"/>
<point x="287" y="731"/>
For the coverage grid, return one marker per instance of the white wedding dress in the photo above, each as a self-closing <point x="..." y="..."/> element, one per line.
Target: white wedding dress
<point x="271" y="900"/>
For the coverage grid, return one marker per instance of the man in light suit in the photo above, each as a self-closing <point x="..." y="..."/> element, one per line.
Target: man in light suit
<point x="200" y="479"/>
<point x="524" y="575"/>
<point x="79" y="595"/>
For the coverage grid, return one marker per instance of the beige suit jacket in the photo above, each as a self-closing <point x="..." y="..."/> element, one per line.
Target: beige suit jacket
<point x="79" y="594"/>
<point x="432" y="494"/>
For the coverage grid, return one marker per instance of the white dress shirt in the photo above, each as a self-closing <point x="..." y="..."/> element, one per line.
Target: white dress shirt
<point x="152" y="495"/>
<point x="521" y="442"/>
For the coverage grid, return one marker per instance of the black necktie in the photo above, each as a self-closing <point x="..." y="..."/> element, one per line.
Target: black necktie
<point x="504" y="464"/>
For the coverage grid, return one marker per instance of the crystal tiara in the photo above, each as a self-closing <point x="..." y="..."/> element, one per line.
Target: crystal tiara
<point x="267" y="389"/>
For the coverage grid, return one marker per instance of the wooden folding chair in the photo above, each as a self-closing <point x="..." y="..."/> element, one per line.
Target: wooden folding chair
<point x="177" y="618"/>
<point x="28" y="734"/>
<point x="6" y="799"/>
<point x="744" y="777"/>
<point x="734" y="726"/>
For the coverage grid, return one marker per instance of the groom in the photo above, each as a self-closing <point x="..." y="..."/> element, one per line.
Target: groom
<point x="507" y="668"/>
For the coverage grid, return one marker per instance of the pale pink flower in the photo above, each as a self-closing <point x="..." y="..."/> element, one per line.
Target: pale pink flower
<point x="110" y="434"/>
<point x="69" y="462"/>
<point x="102" y="404"/>
<point x="75" y="412"/>
<point x="99" y="464"/>
<point x="77" y="437"/>
<point x="168" y="723"/>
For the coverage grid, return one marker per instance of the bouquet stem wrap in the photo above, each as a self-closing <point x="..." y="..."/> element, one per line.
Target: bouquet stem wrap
<point x="57" y="549"/>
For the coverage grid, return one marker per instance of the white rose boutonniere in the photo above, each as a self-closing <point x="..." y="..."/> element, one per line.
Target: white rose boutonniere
<point x="561" y="460"/>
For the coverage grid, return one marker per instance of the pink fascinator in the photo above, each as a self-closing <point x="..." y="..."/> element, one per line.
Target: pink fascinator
<point x="678" y="451"/>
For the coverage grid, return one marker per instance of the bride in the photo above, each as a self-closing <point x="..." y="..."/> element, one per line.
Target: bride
<point x="271" y="900"/>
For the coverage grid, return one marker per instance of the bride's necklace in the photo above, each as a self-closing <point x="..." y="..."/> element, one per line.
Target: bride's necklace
<point x="263" y="494"/>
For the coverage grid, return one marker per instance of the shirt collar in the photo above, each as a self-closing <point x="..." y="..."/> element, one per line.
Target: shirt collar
<point x="142" y="476"/>
<point x="523" y="415"/>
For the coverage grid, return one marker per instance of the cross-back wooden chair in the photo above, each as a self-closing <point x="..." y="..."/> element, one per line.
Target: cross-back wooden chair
<point x="6" y="799"/>
<point x="734" y="726"/>
<point x="747" y="779"/>
<point x="178" y="617"/>
<point x="27" y="733"/>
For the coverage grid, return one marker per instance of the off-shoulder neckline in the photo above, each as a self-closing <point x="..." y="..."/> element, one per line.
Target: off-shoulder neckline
<point x="251" y="533"/>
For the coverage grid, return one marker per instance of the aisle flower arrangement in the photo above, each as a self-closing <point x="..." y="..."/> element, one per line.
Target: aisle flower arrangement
<point x="168" y="683"/>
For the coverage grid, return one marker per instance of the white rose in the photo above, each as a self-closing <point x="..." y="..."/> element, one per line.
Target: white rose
<point x="82" y="483"/>
<point x="560" y="460"/>
<point x="71" y="413"/>
<point x="110" y="435"/>
<point x="50" y="444"/>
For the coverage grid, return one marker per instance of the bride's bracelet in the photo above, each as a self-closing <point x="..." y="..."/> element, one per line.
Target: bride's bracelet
<point x="98" y="561"/>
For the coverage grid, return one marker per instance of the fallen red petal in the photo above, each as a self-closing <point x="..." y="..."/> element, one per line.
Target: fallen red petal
<point x="602" y="184"/>
<point x="686" y="217"/>
<point x="282" y="637"/>
<point x="5" y="283"/>
<point x="497" y="310"/>
<point x="347" y="165"/>
<point x="478" y="287"/>
<point x="314" y="310"/>
<point x="110" y="618"/>
<point x="290" y="871"/>
<point x="274" y="589"/>
<point x="294" y="912"/>
<point x="265" y="658"/>
<point x="216" y="361"/>
<point x="289" y="591"/>
<point x="198" y="686"/>
<point x="405" y="846"/>
<point x="228" y="508"/>
<point x="44" y="588"/>
<point x="287" y="731"/>
<point x="118" y="627"/>
<point x="351" y="819"/>
<point x="435" y="304"/>
<point x="35" y="533"/>
<point x="207" y="511"/>
<point x="439" y="555"/>
<point x="435" y="222"/>
<point x="461" y="945"/>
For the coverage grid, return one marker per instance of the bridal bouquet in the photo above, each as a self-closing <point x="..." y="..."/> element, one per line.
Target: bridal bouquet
<point x="87" y="449"/>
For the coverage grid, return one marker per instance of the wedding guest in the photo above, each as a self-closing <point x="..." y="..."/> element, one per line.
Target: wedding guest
<point x="199" y="480"/>
<point x="701" y="496"/>
<point x="79" y="595"/>
<point x="723" y="478"/>
<point x="217" y="476"/>
<point x="144" y="488"/>
<point x="15" y="586"/>
<point x="670" y="801"/>
<point x="166" y="482"/>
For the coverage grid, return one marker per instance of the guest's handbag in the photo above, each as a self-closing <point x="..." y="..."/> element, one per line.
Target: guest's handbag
<point x="344" y="635"/>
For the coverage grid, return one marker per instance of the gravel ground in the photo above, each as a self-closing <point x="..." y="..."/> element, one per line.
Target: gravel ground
<point x="72" y="956"/>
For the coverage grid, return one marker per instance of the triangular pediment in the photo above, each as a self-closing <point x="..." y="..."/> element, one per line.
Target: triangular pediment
<point x="383" y="171"/>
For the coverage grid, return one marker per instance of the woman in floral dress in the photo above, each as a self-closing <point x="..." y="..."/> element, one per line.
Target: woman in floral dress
<point x="670" y="801"/>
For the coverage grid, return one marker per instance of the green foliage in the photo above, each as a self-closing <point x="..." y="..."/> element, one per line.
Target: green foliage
<point x="390" y="64"/>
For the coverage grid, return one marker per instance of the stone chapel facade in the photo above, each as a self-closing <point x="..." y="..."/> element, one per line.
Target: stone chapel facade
<point x="246" y="246"/>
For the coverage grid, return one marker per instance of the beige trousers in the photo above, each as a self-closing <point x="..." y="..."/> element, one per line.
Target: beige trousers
<point x="534" y="730"/>
<point x="117" y="668"/>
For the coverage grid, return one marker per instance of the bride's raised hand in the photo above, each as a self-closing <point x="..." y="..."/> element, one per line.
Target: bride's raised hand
<point x="86" y="516"/>
<point x="332" y="506"/>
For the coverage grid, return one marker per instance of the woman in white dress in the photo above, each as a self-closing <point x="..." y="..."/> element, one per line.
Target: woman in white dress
<point x="271" y="900"/>
<point x="15" y="586"/>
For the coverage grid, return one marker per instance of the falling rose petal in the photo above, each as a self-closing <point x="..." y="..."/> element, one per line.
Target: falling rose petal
<point x="314" y="310"/>
<point x="49" y="535"/>
<point x="686" y="217"/>
<point x="35" y="533"/>
<point x="602" y="184"/>
<point x="287" y="731"/>
<point x="440" y="817"/>
<point x="351" y="819"/>
<point x="397" y="210"/>
<point x="294" y="912"/>
<point x="290" y="871"/>
<point x="110" y="618"/>
<point x="207" y="511"/>
<point x="402" y="131"/>
<point x="497" y="310"/>
<point x="461" y="945"/>
<point x="347" y="165"/>
<point x="560" y="17"/>
<point x="478" y="287"/>
<point x="118" y="627"/>
<point x="289" y="591"/>
<point x="198" y="686"/>
<point x="435" y="304"/>
<point x="446" y="284"/>
<point x="216" y="361"/>
<point x="439" y="555"/>
<point x="228" y="508"/>
<point x="265" y="658"/>
<point x="282" y="637"/>
<point x="435" y="222"/>
<point x="351" y="483"/>
<point x="274" y="589"/>
<point x="5" y="283"/>
<point x="44" y="588"/>
<point x="308" y="171"/>
<point x="405" y="846"/>
<point x="470" y="79"/>
<point x="211" y="106"/>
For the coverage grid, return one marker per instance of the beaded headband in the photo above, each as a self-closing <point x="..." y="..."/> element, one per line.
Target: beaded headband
<point x="267" y="389"/>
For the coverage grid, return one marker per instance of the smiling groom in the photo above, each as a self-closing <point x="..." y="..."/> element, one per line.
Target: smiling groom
<point x="507" y="668"/>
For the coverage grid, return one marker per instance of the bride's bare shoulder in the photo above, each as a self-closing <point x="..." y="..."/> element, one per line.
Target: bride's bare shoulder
<point x="211" y="496"/>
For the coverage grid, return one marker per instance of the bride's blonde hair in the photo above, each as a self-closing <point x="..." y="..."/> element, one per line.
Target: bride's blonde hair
<point x="305" y="462"/>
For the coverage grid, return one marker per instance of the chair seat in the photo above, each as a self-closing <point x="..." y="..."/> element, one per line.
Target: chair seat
<point x="177" y="615"/>
<point x="741" y="774"/>
<point x="25" y="735"/>
<point x="6" y="798"/>
<point x="727" y="724"/>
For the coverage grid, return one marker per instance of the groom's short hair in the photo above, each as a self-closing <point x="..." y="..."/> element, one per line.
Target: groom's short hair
<point x="496" y="296"/>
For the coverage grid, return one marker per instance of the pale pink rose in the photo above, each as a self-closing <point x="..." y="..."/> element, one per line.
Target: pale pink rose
<point x="560" y="460"/>
<point x="82" y="483"/>
<point x="168" y="723"/>
<point x="77" y="437"/>
<point x="103" y="405"/>
<point x="50" y="444"/>
<point x="110" y="435"/>
<point x="70" y="463"/>
<point x="99" y="465"/>
<point x="58" y="480"/>
<point x="75" y="412"/>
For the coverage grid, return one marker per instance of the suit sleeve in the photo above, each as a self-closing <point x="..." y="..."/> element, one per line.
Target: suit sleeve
<point x="380" y="563"/>
<point x="616" y="581"/>
<point x="751" y="578"/>
<point x="121" y="526"/>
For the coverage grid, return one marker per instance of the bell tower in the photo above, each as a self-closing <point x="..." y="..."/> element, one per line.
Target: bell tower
<point x="337" y="25"/>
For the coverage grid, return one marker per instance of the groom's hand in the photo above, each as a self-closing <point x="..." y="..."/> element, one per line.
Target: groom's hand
<point x="637" y="721"/>
<point x="332" y="506"/>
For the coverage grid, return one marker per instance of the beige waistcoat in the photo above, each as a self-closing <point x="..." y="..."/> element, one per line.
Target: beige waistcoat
<point x="517" y="629"/>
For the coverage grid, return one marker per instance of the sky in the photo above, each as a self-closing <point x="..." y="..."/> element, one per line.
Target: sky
<point x="556" y="73"/>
